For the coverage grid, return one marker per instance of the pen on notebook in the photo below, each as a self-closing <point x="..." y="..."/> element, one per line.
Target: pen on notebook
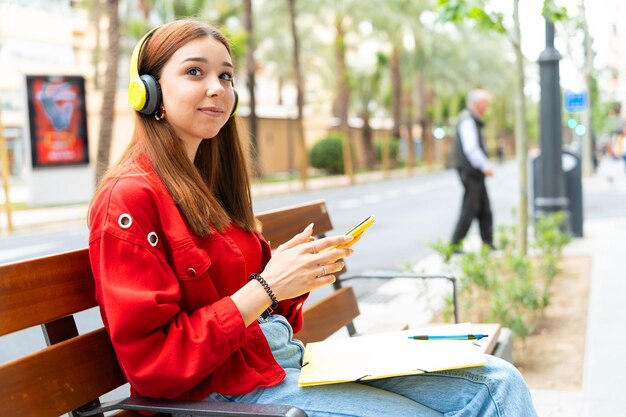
<point x="476" y="336"/>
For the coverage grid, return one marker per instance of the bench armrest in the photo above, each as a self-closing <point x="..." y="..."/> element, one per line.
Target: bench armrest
<point x="199" y="408"/>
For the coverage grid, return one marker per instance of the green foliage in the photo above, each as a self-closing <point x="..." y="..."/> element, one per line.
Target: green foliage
<point x="446" y="250"/>
<point x="394" y="150"/>
<point x="549" y="233"/>
<point x="185" y="8"/>
<point x="475" y="269"/>
<point x="327" y="154"/>
<point x="237" y="42"/>
<point x="457" y="11"/>
<point x="503" y="285"/>
<point x="553" y="12"/>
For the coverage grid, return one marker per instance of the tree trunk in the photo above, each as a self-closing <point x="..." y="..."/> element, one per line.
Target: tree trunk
<point x="428" y="143"/>
<point x="107" y="113"/>
<point x="396" y="92"/>
<point x="343" y="97"/>
<point x="408" y="119"/>
<point x="303" y="165"/>
<point x="520" y="137"/>
<point x="368" y="140"/>
<point x="97" y="16"/>
<point x="257" y="170"/>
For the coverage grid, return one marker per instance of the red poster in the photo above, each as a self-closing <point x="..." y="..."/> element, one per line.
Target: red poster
<point x="58" y="120"/>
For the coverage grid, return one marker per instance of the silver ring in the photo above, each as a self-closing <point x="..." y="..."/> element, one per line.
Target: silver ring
<point x="313" y="247"/>
<point x="323" y="270"/>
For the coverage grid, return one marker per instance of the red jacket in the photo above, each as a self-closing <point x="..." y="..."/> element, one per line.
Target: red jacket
<point x="165" y="301"/>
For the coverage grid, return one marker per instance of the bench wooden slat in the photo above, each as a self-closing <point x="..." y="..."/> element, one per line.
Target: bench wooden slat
<point x="45" y="289"/>
<point x="328" y="315"/>
<point x="282" y="224"/>
<point x="61" y="377"/>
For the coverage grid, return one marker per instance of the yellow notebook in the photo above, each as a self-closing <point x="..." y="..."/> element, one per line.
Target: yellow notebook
<point x="385" y="355"/>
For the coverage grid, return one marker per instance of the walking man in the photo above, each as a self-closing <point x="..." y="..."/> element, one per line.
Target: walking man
<point x="472" y="164"/>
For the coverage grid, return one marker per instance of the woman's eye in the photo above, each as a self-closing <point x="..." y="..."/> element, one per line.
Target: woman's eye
<point x="227" y="76"/>
<point x="194" y="71"/>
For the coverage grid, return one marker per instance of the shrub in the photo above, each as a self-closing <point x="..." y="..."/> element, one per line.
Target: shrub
<point x="394" y="151"/>
<point x="504" y="286"/>
<point x="327" y="154"/>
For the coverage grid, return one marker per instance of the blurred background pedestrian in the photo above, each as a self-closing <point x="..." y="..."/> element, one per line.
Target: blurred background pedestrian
<point x="472" y="164"/>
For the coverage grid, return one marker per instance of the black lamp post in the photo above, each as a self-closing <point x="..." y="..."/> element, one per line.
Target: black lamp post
<point x="551" y="189"/>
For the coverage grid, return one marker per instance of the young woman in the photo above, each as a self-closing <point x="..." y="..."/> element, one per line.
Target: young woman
<point x="195" y="304"/>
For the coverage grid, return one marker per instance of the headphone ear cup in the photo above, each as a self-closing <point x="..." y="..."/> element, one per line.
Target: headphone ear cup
<point x="137" y="93"/>
<point x="236" y="104"/>
<point x="153" y="94"/>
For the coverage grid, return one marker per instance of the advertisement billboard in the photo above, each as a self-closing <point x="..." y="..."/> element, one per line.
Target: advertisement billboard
<point x="57" y="120"/>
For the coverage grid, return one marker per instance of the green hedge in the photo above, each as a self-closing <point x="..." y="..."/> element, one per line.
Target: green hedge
<point x="327" y="154"/>
<point x="394" y="151"/>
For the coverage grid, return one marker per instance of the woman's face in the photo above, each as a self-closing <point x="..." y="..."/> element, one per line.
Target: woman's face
<point x="198" y="95"/>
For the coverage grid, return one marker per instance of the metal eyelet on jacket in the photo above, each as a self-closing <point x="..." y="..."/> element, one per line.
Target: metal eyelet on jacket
<point x="153" y="239"/>
<point x="125" y="221"/>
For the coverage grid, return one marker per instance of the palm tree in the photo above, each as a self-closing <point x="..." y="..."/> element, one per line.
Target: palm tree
<point x="366" y="87"/>
<point x="107" y="113"/>
<point x="257" y="170"/>
<point x="397" y="20"/>
<point x="300" y="89"/>
<point x="97" y="17"/>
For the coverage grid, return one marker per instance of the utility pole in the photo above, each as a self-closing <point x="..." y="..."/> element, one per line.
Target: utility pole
<point x="550" y="171"/>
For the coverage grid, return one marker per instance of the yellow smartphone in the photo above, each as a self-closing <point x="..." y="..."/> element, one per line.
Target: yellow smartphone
<point x="357" y="231"/>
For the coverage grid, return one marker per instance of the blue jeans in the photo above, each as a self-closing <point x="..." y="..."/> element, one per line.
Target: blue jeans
<point x="496" y="389"/>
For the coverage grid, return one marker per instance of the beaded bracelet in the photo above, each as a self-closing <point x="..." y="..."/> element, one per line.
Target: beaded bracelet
<point x="267" y="288"/>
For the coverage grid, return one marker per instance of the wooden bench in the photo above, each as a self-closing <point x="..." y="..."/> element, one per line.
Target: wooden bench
<point x="74" y="371"/>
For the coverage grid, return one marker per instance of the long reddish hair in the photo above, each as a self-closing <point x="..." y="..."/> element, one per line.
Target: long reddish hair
<point x="214" y="190"/>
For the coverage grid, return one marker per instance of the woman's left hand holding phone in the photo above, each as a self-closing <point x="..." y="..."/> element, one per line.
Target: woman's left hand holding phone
<point x="301" y="264"/>
<point x="298" y="266"/>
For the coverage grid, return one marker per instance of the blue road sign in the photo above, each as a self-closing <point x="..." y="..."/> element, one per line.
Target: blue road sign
<point x="575" y="102"/>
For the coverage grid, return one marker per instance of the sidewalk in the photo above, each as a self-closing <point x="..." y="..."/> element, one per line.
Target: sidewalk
<point x="604" y="370"/>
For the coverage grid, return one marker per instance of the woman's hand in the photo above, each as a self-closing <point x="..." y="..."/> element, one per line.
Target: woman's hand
<point x="303" y="264"/>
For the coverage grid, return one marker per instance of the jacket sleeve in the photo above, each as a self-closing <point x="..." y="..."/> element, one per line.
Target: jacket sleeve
<point x="163" y="350"/>
<point x="292" y="311"/>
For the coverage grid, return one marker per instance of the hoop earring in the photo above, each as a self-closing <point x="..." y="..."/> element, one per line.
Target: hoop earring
<point x="160" y="115"/>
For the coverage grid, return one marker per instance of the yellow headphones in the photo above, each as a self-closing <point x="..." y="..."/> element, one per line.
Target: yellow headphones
<point x="144" y="91"/>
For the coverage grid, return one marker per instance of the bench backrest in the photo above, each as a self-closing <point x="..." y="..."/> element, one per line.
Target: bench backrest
<point x="77" y="369"/>
<point x="282" y="224"/>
